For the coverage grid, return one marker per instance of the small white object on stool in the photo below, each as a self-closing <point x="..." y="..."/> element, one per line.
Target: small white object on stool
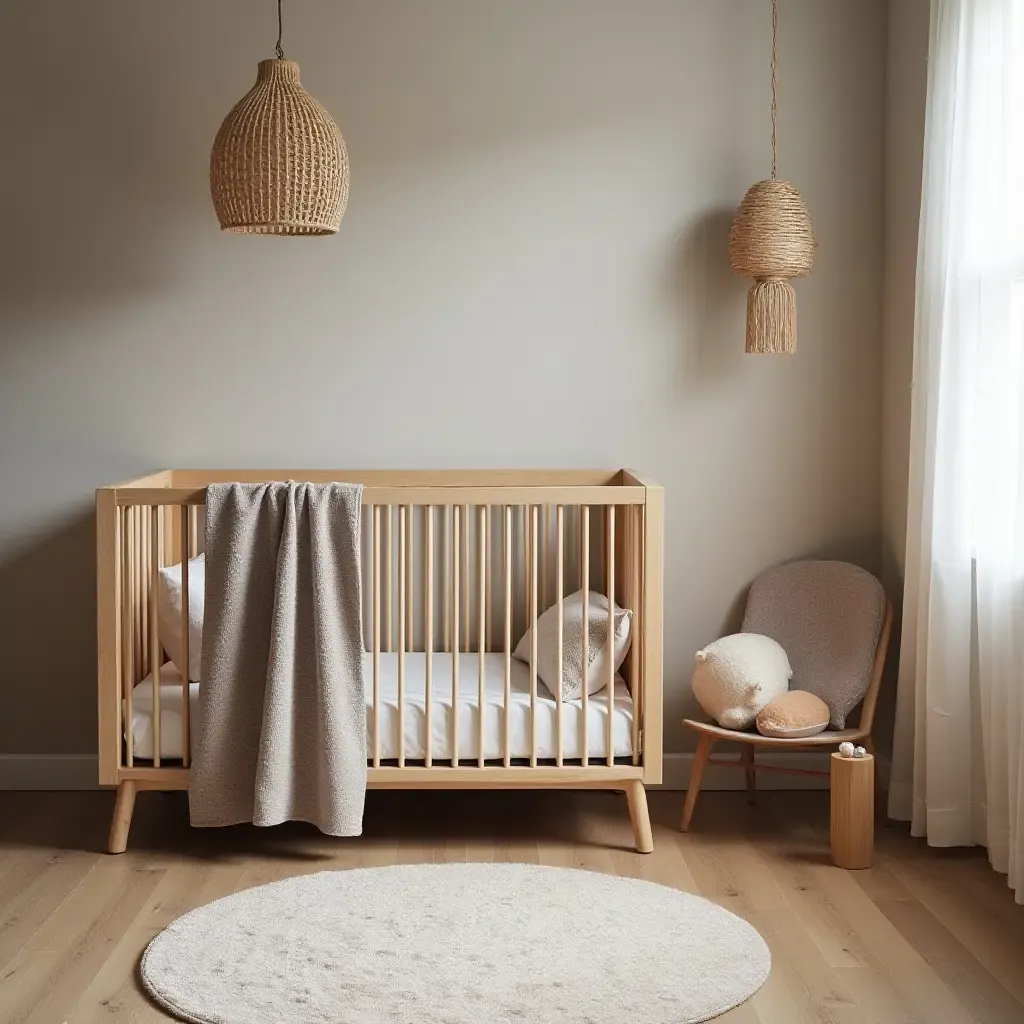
<point x="859" y="752"/>
<point x="846" y="750"/>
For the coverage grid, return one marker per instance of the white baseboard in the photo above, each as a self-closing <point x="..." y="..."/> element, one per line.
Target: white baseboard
<point x="79" y="771"/>
<point x="48" y="771"/>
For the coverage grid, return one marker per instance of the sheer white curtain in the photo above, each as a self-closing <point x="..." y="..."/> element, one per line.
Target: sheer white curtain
<point x="958" y="761"/>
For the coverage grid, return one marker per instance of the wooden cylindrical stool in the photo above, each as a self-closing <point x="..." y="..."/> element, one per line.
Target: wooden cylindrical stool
<point x="853" y="811"/>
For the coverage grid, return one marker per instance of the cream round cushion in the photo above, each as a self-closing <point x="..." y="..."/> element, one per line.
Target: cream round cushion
<point x="792" y="715"/>
<point x="735" y="678"/>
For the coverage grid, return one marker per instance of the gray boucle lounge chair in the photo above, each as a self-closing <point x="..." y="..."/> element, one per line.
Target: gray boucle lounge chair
<point x="834" y="621"/>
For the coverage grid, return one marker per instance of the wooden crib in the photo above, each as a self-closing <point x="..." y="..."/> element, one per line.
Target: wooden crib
<point x="456" y="566"/>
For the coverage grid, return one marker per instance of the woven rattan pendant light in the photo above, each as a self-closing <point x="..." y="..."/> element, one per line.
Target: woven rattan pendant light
<point x="772" y="241"/>
<point x="279" y="165"/>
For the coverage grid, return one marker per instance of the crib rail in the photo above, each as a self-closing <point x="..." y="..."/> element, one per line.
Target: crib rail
<point x="457" y="566"/>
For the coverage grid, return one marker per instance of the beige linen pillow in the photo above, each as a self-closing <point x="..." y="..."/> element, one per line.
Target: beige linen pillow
<point x="168" y="603"/>
<point x="572" y="644"/>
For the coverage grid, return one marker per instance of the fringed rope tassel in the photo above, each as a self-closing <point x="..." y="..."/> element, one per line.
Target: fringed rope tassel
<point x="771" y="317"/>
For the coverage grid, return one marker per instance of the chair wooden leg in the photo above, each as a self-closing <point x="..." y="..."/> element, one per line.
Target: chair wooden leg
<point x="700" y="762"/>
<point x="636" y="796"/>
<point x="124" y="805"/>
<point x="747" y="760"/>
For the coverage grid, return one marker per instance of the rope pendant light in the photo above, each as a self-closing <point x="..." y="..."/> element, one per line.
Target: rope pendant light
<point x="772" y="241"/>
<point x="279" y="164"/>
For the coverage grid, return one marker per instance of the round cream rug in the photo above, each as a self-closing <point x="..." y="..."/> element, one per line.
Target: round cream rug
<point x="456" y="944"/>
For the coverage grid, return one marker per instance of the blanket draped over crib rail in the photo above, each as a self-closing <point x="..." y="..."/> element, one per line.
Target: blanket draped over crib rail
<point x="281" y="730"/>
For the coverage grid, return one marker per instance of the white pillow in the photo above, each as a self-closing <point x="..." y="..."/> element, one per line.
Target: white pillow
<point x="737" y="676"/>
<point x="168" y="599"/>
<point x="572" y="644"/>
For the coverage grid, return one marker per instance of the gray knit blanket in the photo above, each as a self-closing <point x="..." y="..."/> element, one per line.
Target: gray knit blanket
<point x="281" y="730"/>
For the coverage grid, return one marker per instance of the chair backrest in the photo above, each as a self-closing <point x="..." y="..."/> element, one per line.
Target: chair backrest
<point x="831" y="618"/>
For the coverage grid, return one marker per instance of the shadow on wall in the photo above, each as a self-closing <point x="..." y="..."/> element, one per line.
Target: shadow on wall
<point x="704" y="296"/>
<point x="885" y="715"/>
<point x="48" y="636"/>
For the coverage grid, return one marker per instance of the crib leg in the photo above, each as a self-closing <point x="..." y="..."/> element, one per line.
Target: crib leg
<point x="124" y="805"/>
<point x="636" y="796"/>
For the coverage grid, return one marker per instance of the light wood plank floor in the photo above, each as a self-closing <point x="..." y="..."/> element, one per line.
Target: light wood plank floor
<point x="924" y="936"/>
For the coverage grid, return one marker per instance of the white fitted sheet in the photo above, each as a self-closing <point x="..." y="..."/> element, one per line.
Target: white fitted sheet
<point x="441" y="712"/>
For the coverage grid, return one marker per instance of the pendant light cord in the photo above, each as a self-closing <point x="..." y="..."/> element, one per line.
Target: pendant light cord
<point x="775" y="84"/>
<point x="280" y="51"/>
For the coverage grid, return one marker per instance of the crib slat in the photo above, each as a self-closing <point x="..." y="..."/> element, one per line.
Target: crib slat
<point x="634" y="549"/>
<point x="168" y="539"/>
<point x="389" y="544"/>
<point x="128" y="631"/>
<point x="410" y="580"/>
<point x="543" y="555"/>
<point x="132" y="600"/>
<point x="490" y="576"/>
<point x="507" y="701"/>
<point x="533" y="636"/>
<point x="482" y="631"/>
<point x="193" y="516"/>
<point x="446" y="572"/>
<point x="376" y="636"/>
<point x="642" y="625"/>
<point x="525" y="536"/>
<point x="124" y="680"/>
<point x="154" y="641"/>
<point x="611" y="633"/>
<point x="402" y="527"/>
<point x="455" y="636"/>
<point x="186" y="709"/>
<point x="467" y="610"/>
<point x="161" y="540"/>
<point x="559" y="585"/>
<point x="585" y="585"/>
<point x="132" y="605"/>
<point x="579" y="546"/>
<point x="138" y="635"/>
<point x="428" y="627"/>
<point x="145" y="563"/>
<point x="120" y="639"/>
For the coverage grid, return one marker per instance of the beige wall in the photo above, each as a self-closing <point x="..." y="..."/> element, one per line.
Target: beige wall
<point x="532" y="271"/>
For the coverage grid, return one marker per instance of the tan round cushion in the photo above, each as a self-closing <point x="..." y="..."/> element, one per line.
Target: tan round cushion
<point x="793" y="714"/>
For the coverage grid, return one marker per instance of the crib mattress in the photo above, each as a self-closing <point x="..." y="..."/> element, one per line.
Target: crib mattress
<point x="441" y="712"/>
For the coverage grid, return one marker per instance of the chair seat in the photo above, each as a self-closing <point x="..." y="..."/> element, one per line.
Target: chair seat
<point x="828" y="738"/>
